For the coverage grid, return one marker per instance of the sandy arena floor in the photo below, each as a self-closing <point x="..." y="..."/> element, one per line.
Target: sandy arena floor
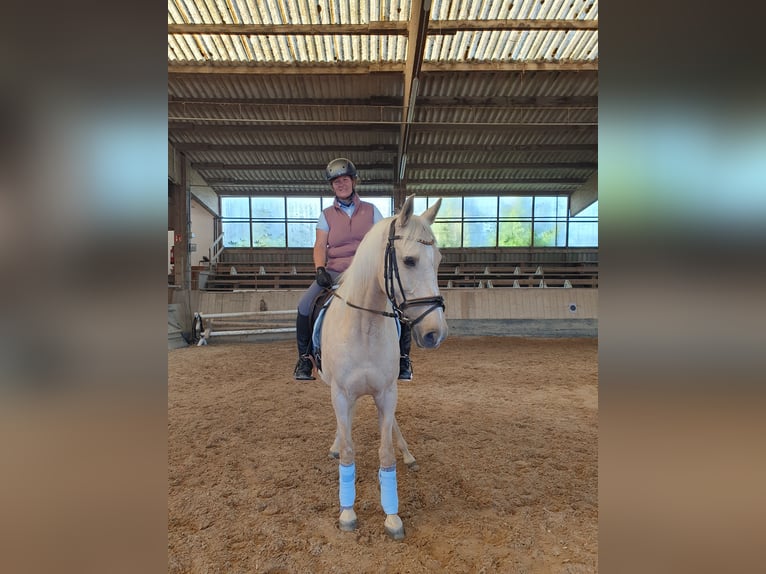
<point x="505" y="431"/>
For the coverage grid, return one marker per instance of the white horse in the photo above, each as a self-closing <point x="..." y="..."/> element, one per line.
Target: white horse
<point x="393" y="277"/>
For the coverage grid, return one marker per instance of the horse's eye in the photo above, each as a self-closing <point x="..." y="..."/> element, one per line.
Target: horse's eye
<point x="410" y="261"/>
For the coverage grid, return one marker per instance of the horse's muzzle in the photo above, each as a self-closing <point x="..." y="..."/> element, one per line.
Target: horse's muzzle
<point x="429" y="329"/>
<point x="430" y="340"/>
<point x="430" y="336"/>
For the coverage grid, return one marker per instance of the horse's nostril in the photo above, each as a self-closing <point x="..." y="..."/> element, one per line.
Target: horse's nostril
<point x="430" y="339"/>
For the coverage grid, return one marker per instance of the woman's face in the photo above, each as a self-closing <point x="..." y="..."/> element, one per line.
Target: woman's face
<point x="343" y="186"/>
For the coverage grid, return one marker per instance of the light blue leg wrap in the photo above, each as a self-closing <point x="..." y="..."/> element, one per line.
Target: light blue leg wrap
<point x="389" y="497"/>
<point x="347" y="485"/>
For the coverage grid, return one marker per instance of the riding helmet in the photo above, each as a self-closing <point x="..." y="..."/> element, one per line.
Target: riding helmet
<point x="340" y="166"/>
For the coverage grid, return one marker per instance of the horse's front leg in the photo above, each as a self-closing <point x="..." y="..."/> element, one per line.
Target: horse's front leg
<point x="389" y="495"/>
<point x="346" y="469"/>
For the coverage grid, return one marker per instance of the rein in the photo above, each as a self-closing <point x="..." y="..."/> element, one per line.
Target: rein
<point x="391" y="272"/>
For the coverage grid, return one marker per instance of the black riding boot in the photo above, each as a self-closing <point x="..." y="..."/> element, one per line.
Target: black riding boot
<point x="405" y="365"/>
<point x="304" y="367"/>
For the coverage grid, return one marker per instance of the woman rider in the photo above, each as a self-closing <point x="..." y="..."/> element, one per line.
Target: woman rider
<point x="339" y="231"/>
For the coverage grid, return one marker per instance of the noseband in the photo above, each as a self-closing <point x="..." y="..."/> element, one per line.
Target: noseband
<point x="391" y="273"/>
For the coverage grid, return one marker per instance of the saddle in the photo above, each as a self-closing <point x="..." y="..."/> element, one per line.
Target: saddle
<point x="318" y="306"/>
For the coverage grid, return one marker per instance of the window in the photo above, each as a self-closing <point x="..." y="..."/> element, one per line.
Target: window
<point x="384" y="205"/>
<point x="507" y="221"/>
<point x="235" y="221"/>
<point x="302" y="215"/>
<point x="515" y="222"/>
<point x="485" y="221"/>
<point x="235" y="234"/>
<point x="268" y="221"/>
<point x="278" y="221"/>
<point x="583" y="227"/>
<point x="480" y="221"/>
<point x="235" y="207"/>
<point x="549" y="221"/>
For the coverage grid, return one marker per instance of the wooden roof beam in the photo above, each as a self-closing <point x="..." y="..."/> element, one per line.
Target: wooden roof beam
<point x="417" y="32"/>
<point x="273" y="167"/>
<point x="265" y="126"/>
<point x="340" y="69"/>
<point x="181" y="146"/>
<point x="380" y="28"/>
<point x="441" y="102"/>
<point x="590" y="147"/>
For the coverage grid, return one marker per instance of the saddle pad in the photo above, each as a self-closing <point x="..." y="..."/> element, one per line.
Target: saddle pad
<point x="316" y="334"/>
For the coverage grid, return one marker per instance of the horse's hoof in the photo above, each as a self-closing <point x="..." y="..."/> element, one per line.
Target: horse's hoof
<point x="394" y="527"/>
<point x="334" y="454"/>
<point x="347" y="521"/>
<point x="413" y="465"/>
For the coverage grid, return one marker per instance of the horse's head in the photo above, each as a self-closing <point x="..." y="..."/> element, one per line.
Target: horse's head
<point x="411" y="272"/>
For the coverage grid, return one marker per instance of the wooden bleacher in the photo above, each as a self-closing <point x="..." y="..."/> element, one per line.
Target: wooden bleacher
<point x="519" y="267"/>
<point x="533" y="268"/>
<point x="543" y="275"/>
<point x="259" y="277"/>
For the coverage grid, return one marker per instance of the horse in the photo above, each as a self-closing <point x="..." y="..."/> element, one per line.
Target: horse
<point x="392" y="279"/>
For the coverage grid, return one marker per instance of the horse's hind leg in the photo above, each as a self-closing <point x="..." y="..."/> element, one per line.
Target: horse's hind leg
<point x="335" y="448"/>
<point x="409" y="460"/>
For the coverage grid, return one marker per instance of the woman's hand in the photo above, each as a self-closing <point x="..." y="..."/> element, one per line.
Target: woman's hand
<point x="324" y="279"/>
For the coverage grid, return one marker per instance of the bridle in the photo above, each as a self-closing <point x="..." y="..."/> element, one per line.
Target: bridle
<point x="391" y="274"/>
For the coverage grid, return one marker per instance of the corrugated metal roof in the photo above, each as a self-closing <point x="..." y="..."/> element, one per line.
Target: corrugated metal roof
<point x="485" y="96"/>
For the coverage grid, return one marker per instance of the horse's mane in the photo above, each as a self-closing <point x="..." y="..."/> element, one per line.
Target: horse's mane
<point x="367" y="261"/>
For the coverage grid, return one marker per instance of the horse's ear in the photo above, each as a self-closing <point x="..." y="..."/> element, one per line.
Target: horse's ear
<point x="430" y="213"/>
<point x="407" y="209"/>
